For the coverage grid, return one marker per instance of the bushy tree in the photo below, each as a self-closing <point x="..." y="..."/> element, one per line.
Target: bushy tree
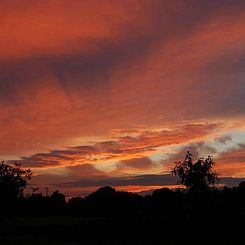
<point x="197" y="176"/>
<point x="13" y="180"/>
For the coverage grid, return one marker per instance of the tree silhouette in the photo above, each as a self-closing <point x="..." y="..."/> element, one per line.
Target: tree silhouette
<point x="197" y="176"/>
<point x="13" y="180"/>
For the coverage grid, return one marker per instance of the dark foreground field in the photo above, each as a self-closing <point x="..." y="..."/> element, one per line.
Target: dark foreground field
<point x="110" y="217"/>
<point x="71" y="230"/>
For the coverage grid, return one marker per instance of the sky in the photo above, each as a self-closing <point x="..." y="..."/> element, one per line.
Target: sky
<point x="112" y="92"/>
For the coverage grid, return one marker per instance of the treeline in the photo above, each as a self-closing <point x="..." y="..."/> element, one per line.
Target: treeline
<point x="106" y="202"/>
<point x="108" y="215"/>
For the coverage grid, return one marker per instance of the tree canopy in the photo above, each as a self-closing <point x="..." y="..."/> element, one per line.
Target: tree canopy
<point x="13" y="180"/>
<point x="197" y="175"/>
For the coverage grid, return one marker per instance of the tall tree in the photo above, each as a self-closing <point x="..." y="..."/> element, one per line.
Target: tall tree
<point x="197" y="176"/>
<point x="13" y="180"/>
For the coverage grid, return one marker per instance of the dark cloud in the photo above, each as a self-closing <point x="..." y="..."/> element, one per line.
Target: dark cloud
<point x="85" y="170"/>
<point x="69" y="173"/>
<point x="143" y="163"/>
<point x="231" y="182"/>
<point x="55" y="157"/>
<point x="141" y="180"/>
<point x="224" y="139"/>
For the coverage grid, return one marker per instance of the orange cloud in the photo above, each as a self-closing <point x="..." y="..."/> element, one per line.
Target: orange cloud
<point x="61" y="27"/>
<point x="125" y="148"/>
<point x="232" y="162"/>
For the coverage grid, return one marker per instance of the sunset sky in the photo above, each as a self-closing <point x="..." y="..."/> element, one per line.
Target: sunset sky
<point x="113" y="92"/>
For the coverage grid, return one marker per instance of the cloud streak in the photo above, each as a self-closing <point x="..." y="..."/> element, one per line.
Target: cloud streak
<point x="126" y="149"/>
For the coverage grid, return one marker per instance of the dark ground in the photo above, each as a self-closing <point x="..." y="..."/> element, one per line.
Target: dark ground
<point x="119" y="218"/>
<point x="71" y="230"/>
